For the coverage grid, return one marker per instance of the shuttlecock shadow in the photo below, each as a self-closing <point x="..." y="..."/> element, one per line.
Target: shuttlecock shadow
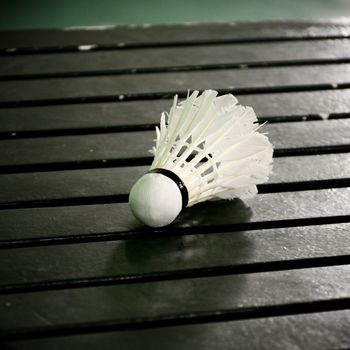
<point x="177" y="251"/>
<point x="193" y="254"/>
<point x="172" y="250"/>
<point x="215" y="213"/>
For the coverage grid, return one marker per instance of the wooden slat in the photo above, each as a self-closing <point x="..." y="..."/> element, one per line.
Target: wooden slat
<point x="46" y="186"/>
<point x="97" y="221"/>
<point x="134" y="113"/>
<point x="327" y="330"/>
<point x="82" y="264"/>
<point x="248" y="79"/>
<point x="124" y="303"/>
<point x="173" y="33"/>
<point x="108" y="146"/>
<point x="175" y="57"/>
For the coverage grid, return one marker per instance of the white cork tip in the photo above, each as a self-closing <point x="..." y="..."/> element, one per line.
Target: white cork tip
<point x="155" y="200"/>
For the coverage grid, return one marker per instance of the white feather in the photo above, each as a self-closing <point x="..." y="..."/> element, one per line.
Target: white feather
<point x="213" y="144"/>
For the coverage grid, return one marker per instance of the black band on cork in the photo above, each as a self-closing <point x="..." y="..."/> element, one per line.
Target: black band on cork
<point x="177" y="180"/>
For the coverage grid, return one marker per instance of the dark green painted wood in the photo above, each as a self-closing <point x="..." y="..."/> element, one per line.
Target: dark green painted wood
<point x="117" y="219"/>
<point x="313" y="331"/>
<point x="112" y="145"/>
<point x="283" y="254"/>
<point x="27" y="90"/>
<point x="112" y="261"/>
<point x="174" y="57"/>
<point x="38" y="186"/>
<point x="157" y="299"/>
<point x="134" y="113"/>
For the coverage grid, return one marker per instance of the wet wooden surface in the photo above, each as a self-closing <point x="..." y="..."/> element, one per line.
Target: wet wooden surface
<point x="77" y="113"/>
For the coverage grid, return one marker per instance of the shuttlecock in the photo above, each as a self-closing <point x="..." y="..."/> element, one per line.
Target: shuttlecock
<point x="207" y="147"/>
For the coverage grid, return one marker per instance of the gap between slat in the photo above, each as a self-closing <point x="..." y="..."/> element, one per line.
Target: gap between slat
<point x="13" y="51"/>
<point x="121" y="162"/>
<point x="168" y="95"/>
<point x="176" y="69"/>
<point x="242" y="313"/>
<point x="123" y="197"/>
<point x="151" y="126"/>
<point x="278" y="265"/>
<point x="151" y="233"/>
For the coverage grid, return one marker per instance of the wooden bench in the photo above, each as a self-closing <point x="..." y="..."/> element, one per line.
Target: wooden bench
<point x="77" y="115"/>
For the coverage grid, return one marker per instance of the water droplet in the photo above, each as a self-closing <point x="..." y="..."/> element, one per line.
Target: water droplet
<point x="86" y="47"/>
